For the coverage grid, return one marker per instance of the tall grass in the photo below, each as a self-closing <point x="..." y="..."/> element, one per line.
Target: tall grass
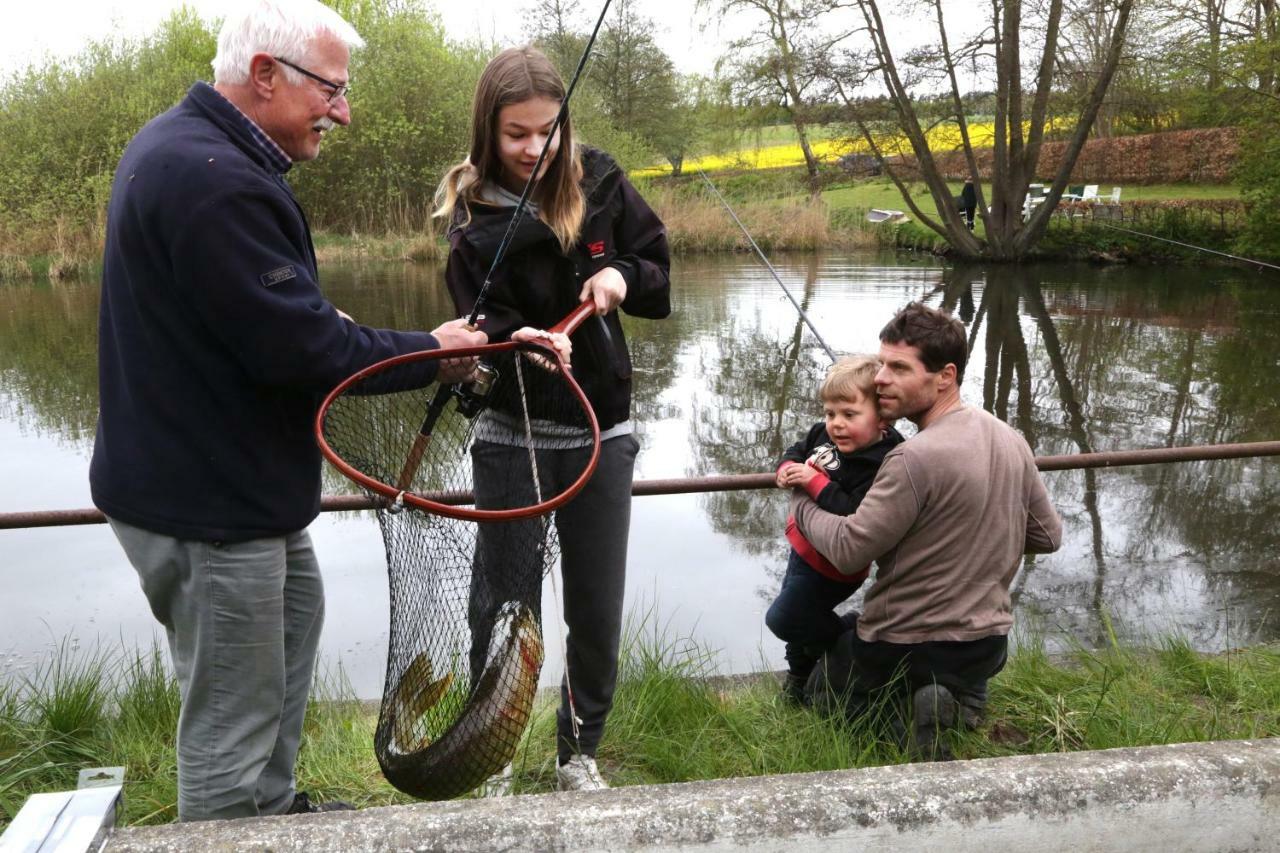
<point x="699" y="223"/>
<point x="674" y="720"/>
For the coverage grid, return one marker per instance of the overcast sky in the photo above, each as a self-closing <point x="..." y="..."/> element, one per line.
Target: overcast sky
<point x="31" y="29"/>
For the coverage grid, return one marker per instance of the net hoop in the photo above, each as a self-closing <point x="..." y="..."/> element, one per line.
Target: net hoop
<point x="454" y="504"/>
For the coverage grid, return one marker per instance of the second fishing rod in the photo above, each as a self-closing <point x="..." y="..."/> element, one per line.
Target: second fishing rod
<point x="773" y="272"/>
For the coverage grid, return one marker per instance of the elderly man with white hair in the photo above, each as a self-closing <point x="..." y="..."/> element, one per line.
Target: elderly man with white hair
<point x="216" y="347"/>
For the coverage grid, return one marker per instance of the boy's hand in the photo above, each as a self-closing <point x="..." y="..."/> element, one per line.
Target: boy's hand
<point x="794" y="476"/>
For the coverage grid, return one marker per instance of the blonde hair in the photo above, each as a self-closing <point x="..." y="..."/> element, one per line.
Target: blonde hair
<point x="850" y="376"/>
<point x="512" y="77"/>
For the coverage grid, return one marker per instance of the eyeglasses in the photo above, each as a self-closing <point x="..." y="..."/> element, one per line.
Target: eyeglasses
<point x="339" y="90"/>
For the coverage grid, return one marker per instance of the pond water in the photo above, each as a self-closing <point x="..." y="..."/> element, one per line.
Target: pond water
<point x="1078" y="358"/>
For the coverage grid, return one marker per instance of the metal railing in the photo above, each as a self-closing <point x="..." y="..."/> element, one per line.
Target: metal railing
<point x="722" y="483"/>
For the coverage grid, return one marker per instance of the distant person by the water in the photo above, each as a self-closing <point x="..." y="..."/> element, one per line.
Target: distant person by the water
<point x="834" y="463"/>
<point x="946" y="521"/>
<point x="968" y="202"/>
<point x="216" y="346"/>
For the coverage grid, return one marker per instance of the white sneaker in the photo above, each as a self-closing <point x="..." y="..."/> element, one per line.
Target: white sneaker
<point x="580" y="774"/>
<point x="497" y="785"/>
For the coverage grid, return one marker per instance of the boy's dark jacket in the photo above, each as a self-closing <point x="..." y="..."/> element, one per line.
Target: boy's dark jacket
<point x="842" y="482"/>
<point x="215" y="342"/>
<point x="537" y="285"/>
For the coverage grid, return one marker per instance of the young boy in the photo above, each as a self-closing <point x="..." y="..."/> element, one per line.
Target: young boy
<point x="835" y="464"/>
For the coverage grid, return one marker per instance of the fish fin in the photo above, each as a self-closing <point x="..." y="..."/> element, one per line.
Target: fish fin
<point x="417" y="672"/>
<point x="431" y="694"/>
<point x="405" y="702"/>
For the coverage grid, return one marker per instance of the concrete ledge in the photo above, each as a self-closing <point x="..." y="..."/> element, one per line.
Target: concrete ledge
<point x="1188" y="797"/>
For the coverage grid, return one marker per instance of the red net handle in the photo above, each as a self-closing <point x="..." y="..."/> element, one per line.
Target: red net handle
<point x="570" y="324"/>
<point x="442" y="507"/>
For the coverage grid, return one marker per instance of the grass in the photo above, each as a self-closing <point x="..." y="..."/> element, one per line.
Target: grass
<point x="673" y="720"/>
<point x="698" y="223"/>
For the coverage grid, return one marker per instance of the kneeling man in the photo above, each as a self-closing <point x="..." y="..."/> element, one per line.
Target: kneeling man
<point x="947" y="520"/>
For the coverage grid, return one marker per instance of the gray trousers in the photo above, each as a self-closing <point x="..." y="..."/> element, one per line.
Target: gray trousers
<point x="243" y="621"/>
<point x="592" y="530"/>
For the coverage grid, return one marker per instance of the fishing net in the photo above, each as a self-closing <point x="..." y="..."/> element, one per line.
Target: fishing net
<point x="466" y="494"/>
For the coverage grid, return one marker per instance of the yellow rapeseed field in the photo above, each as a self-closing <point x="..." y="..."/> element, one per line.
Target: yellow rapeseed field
<point x="941" y="138"/>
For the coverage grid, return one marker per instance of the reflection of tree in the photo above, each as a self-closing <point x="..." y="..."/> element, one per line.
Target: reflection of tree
<point x="48" y="361"/>
<point x="1143" y="365"/>
<point x="1076" y="429"/>
<point x="1006" y="350"/>
<point x="655" y="345"/>
<point x="762" y="392"/>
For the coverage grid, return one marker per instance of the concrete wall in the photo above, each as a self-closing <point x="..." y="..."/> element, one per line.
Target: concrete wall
<point x="1222" y="796"/>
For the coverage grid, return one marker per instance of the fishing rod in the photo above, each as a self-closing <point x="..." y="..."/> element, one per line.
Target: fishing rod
<point x="471" y="395"/>
<point x="1189" y="246"/>
<point x="803" y="316"/>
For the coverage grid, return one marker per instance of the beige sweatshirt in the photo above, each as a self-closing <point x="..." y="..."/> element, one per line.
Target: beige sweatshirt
<point x="947" y="520"/>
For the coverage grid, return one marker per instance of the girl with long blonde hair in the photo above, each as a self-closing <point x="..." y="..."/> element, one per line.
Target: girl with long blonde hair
<point x="586" y="235"/>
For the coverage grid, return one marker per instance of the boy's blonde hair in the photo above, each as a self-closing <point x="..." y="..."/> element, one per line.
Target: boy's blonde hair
<point x="850" y="377"/>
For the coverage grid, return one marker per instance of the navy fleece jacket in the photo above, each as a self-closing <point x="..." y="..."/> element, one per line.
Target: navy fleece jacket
<point x="215" y="342"/>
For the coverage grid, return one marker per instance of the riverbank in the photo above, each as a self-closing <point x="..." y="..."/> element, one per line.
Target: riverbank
<point x="671" y="723"/>
<point x="779" y="215"/>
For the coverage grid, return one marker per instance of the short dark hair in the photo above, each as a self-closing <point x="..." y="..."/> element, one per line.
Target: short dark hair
<point x="938" y="335"/>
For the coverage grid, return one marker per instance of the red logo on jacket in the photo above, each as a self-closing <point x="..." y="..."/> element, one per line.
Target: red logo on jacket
<point x="596" y="249"/>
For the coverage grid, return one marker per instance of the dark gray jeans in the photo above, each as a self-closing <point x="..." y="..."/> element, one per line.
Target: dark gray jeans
<point x="243" y="621"/>
<point x="592" y="530"/>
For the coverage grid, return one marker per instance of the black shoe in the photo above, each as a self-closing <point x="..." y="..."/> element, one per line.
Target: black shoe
<point x="793" y="689"/>
<point x="934" y="710"/>
<point x="302" y="805"/>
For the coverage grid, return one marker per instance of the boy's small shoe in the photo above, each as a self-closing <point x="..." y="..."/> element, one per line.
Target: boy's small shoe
<point x="302" y="805"/>
<point x="580" y="773"/>
<point x="497" y="785"/>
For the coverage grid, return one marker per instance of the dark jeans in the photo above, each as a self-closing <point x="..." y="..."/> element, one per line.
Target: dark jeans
<point x="855" y="673"/>
<point x="592" y="531"/>
<point x="803" y="615"/>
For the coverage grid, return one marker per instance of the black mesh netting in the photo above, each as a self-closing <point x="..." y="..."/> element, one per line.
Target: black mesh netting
<point x="466" y="640"/>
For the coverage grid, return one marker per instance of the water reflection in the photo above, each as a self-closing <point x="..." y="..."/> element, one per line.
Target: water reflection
<point x="1077" y="358"/>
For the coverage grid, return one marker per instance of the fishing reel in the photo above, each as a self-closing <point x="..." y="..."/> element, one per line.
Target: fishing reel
<point x="473" y="396"/>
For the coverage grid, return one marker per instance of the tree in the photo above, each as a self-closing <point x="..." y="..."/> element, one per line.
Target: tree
<point x="1085" y="45"/>
<point x="636" y="79"/>
<point x="1019" y="126"/>
<point x="778" y="61"/>
<point x="555" y="26"/>
<point x="1260" y="145"/>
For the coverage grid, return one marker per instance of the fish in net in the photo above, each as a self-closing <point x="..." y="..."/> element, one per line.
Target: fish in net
<point x="467" y="482"/>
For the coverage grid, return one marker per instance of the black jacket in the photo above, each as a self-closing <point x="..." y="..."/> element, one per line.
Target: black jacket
<point x="537" y="285"/>
<point x="843" y="481"/>
<point x="845" y="477"/>
<point x="215" y="342"/>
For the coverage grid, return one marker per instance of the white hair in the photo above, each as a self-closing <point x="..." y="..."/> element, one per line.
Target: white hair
<point x="284" y="28"/>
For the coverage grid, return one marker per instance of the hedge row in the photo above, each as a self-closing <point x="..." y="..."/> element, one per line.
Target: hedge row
<point x="1202" y="156"/>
